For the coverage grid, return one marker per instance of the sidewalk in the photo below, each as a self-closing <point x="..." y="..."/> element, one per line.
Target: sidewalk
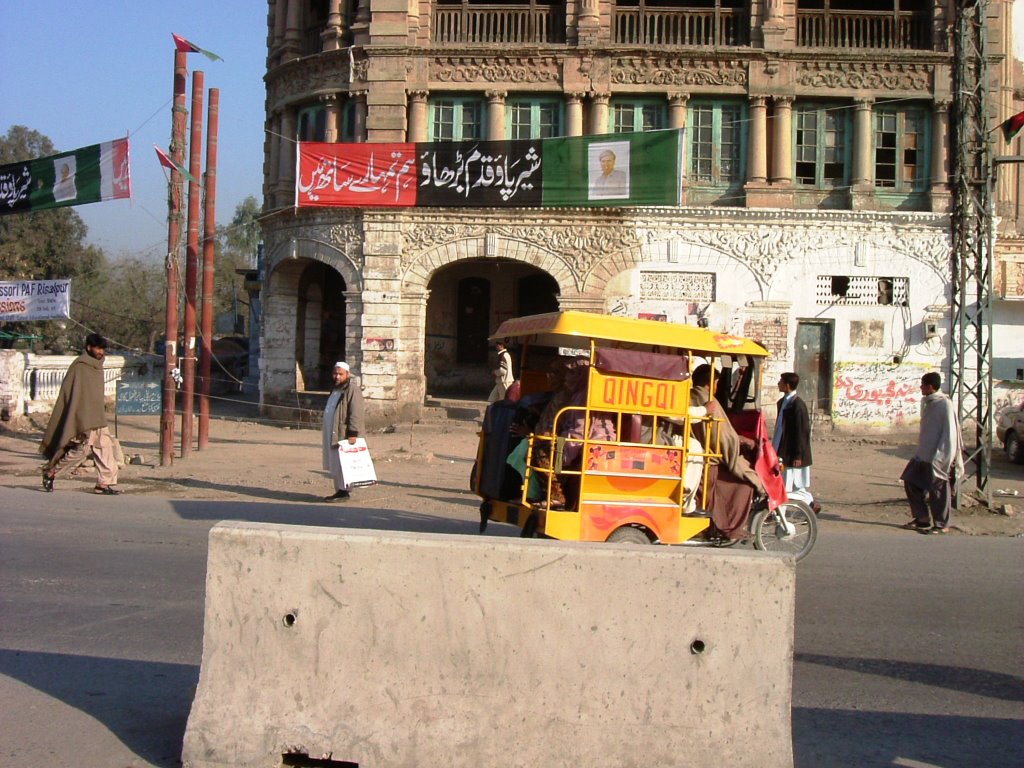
<point x="854" y="478"/>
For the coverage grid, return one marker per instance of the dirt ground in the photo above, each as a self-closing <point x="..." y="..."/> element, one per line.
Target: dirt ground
<point x="854" y="478"/>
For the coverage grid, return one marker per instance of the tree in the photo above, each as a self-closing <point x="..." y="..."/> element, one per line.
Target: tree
<point x="236" y="251"/>
<point x="42" y="245"/>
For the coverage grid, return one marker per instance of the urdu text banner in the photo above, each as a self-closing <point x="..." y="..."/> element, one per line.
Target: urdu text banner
<point x="605" y="170"/>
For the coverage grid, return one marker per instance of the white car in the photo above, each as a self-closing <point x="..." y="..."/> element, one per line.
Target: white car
<point x="1010" y="432"/>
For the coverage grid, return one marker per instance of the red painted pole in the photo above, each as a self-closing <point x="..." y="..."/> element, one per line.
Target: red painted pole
<point x="195" y="192"/>
<point x="179" y="115"/>
<point x="209" y="232"/>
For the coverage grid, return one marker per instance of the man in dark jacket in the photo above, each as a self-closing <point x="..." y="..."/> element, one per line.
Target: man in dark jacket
<point x="343" y="420"/>
<point x="79" y="421"/>
<point x="792" y="440"/>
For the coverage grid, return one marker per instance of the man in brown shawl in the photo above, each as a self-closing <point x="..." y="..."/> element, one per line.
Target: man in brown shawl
<point x="79" y="421"/>
<point x="731" y="480"/>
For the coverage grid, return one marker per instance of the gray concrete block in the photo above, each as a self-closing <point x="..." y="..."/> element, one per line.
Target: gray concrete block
<point x="388" y="649"/>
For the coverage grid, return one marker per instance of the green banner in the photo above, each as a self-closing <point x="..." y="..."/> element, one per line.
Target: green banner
<point x="622" y="169"/>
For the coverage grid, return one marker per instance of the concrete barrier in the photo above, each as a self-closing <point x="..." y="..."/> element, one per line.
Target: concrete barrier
<point x="387" y="649"/>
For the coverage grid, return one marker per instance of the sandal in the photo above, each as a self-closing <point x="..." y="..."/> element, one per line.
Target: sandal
<point x="936" y="530"/>
<point x="107" y="490"/>
<point x="47" y="482"/>
<point x="913" y="525"/>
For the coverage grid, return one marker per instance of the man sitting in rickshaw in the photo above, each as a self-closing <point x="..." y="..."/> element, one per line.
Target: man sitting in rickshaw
<point x="731" y="480"/>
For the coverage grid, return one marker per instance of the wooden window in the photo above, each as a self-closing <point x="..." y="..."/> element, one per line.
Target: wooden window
<point x="632" y="115"/>
<point x="312" y="124"/>
<point x="456" y="118"/>
<point x="822" y="145"/>
<point x="717" y="143"/>
<point x="901" y="149"/>
<point x="530" y="118"/>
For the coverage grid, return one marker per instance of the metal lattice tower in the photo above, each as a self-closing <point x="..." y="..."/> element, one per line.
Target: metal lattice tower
<point x="973" y="237"/>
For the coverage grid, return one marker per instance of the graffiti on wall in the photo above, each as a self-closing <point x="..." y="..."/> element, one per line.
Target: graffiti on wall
<point x="877" y="394"/>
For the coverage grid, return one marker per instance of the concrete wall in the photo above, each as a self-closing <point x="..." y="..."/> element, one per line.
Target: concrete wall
<point x="386" y="649"/>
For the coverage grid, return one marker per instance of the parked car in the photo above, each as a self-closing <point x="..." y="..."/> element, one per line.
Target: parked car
<point x="1010" y="431"/>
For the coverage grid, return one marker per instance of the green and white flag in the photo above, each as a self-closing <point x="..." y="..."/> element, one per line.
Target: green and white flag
<point x="613" y="169"/>
<point x="86" y="175"/>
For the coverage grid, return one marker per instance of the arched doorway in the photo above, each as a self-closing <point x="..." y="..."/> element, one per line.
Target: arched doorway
<point x="320" y="325"/>
<point x="468" y="301"/>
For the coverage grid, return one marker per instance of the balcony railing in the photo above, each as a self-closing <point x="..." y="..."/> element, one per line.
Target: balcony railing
<point x="498" y="24"/>
<point x="865" y="29"/>
<point x="670" y="26"/>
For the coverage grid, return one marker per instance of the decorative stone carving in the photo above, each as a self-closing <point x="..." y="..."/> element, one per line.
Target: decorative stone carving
<point x="887" y="76"/>
<point x="677" y="286"/>
<point x="669" y="70"/>
<point x="494" y="69"/>
<point x="327" y="73"/>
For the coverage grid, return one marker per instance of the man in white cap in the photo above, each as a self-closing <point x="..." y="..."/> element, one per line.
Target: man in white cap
<point x="343" y="420"/>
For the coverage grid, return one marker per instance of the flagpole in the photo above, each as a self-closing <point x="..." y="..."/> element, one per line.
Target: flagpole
<point x="178" y="116"/>
<point x="209" y="232"/>
<point x="192" y="265"/>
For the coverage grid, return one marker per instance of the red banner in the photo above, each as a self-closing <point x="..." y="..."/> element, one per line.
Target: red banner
<point x="367" y="175"/>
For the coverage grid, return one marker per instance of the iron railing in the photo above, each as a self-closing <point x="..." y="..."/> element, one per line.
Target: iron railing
<point x="498" y="24"/>
<point x="673" y="26"/>
<point x="904" y="30"/>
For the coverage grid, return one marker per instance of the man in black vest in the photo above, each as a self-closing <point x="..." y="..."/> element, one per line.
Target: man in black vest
<point x="792" y="440"/>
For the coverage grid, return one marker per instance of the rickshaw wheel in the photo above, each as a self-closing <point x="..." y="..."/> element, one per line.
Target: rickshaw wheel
<point x="771" y="536"/>
<point x="627" y="534"/>
<point x="529" y="528"/>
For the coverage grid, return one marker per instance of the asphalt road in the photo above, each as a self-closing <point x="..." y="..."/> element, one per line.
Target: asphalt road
<point x="908" y="648"/>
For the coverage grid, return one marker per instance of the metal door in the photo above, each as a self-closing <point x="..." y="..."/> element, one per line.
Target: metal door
<point x="814" y="364"/>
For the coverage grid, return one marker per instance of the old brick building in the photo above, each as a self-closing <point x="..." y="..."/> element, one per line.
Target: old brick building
<point x="816" y="192"/>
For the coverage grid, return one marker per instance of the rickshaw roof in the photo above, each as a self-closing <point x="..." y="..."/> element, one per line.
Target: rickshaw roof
<point x="576" y="329"/>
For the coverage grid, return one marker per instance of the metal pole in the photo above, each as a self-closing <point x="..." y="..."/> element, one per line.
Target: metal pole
<point x="178" y="116"/>
<point x="192" y="266"/>
<point x="209" y="231"/>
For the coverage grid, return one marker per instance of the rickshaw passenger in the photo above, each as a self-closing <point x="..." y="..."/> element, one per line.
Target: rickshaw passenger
<point x="543" y="448"/>
<point x="732" y="482"/>
<point x="572" y="425"/>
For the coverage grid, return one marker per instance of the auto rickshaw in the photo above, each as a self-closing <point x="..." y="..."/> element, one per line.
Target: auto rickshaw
<point x="615" y="436"/>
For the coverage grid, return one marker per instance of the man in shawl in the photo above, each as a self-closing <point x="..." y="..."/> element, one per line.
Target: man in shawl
<point x="79" y="421"/>
<point x="792" y="440"/>
<point x="343" y="420"/>
<point x="732" y="482"/>
<point x="930" y="476"/>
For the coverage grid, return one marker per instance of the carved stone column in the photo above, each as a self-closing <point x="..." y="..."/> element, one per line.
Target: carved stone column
<point x="677" y="110"/>
<point x="862" y="191"/>
<point x="292" y="34"/>
<point x="358" y="99"/>
<point x="286" y="157"/>
<point x="274" y="161"/>
<point x="495" y="114"/>
<point x="773" y="30"/>
<point x="588" y="22"/>
<point x="757" y="155"/>
<point x="574" y="114"/>
<point x="332" y="113"/>
<point x="361" y="25"/>
<point x="599" y="113"/>
<point x="280" y="24"/>
<point x="416" y="124"/>
<point x="333" y="31"/>
<point x="941" y="197"/>
<point x="782" y="141"/>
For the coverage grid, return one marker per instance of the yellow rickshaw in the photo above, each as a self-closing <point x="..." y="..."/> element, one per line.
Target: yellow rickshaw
<point x="635" y="431"/>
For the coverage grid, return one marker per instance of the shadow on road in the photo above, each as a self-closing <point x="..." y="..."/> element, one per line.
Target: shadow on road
<point x="979" y="682"/>
<point x="145" y="704"/>
<point x="831" y="738"/>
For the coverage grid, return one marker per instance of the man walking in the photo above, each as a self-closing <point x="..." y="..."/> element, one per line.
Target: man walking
<point x="79" y="421"/>
<point x="343" y="420"/>
<point x="792" y="440"/>
<point x="930" y="476"/>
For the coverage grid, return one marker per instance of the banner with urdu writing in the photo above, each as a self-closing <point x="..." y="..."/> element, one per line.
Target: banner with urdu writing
<point x="86" y="175"/>
<point x="622" y="169"/>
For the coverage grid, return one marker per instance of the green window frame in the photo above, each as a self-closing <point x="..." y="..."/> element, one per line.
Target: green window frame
<point x="533" y="118"/>
<point x="311" y="123"/>
<point x="901" y="148"/>
<point x="633" y="115"/>
<point x="457" y="118"/>
<point x="822" y="145"/>
<point x="717" y="143"/>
